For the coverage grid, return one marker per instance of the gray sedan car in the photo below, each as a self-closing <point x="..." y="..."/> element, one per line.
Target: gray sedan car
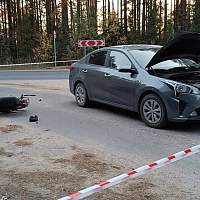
<point x="160" y="83"/>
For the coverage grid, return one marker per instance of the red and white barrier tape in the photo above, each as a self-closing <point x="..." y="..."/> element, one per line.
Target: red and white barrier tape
<point x="132" y="173"/>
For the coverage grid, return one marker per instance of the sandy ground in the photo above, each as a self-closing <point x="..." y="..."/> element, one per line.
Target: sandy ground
<point x="41" y="164"/>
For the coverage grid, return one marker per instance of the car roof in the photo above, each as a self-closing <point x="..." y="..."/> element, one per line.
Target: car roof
<point x="134" y="47"/>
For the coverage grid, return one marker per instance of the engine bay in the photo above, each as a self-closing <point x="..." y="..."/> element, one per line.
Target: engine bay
<point x="190" y="78"/>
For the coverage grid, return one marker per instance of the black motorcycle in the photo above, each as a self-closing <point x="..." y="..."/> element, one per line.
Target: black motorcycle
<point x="9" y="104"/>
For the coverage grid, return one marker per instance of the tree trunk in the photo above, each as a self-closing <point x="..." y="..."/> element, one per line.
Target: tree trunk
<point x="143" y="18"/>
<point x="48" y="18"/>
<point x="78" y="16"/>
<point x="65" y="24"/>
<point x="125" y="19"/>
<point x="165" y="20"/>
<point x="138" y="16"/>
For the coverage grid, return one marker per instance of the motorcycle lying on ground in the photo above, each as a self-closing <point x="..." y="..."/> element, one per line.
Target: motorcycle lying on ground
<point x="9" y="104"/>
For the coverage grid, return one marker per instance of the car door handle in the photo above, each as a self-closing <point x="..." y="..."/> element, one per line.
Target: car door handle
<point x="84" y="70"/>
<point x="107" y="75"/>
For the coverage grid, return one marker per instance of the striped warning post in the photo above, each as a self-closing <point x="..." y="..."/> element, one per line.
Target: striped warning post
<point x="132" y="173"/>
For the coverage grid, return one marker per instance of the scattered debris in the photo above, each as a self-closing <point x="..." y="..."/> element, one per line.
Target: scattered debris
<point x="33" y="118"/>
<point x="28" y="95"/>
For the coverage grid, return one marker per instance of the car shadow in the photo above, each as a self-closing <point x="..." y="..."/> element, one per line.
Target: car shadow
<point x="172" y="126"/>
<point x="116" y="110"/>
<point x="190" y="126"/>
<point x="111" y="109"/>
<point x="184" y="126"/>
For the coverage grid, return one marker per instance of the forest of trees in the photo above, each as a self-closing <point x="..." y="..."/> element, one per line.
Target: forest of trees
<point x="27" y="26"/>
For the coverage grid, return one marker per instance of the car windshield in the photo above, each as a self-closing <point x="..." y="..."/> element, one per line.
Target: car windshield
<point x="143" y="57"/>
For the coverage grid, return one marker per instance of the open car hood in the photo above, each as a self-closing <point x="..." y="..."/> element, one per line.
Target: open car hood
<point x="184" y="45"/>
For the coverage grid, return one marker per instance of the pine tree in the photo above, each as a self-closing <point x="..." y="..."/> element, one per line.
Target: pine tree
<point x="25" y="24"/>
<point x="196" y="21"/>
<point x="152" y="31"/>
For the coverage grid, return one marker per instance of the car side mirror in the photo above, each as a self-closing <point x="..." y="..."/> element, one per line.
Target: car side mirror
<point x="128" y="70"/>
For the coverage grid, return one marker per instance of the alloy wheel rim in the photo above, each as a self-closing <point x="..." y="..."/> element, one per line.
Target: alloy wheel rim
<point x="80" y="95"/>
<point x="152" y="111"/>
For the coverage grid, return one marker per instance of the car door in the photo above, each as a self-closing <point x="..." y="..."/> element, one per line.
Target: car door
<point x="121" y="86"/>
<point x="95" y="75"/>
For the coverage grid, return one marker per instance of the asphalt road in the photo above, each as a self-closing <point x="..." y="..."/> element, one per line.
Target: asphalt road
<point x="34" y="75"/>
<point x="123" y="134"/>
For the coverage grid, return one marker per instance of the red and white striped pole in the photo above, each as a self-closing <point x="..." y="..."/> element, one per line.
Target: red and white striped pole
<point x="132" y="173"/>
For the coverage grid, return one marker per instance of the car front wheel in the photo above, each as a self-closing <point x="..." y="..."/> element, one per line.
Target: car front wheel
<point x="81" y="95"/>
<point x="153" y="111"/>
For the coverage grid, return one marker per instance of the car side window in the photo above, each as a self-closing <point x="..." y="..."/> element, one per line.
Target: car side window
<point x="98" y="58"/>
<point x="119" y="60"/>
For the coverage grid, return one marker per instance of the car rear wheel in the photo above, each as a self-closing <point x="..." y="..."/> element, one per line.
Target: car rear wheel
<point x="81" y="95"/>
<point x="153" y="111"/>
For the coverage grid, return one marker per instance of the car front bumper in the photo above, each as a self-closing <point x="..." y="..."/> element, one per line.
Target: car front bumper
<point x="186" y="107"/>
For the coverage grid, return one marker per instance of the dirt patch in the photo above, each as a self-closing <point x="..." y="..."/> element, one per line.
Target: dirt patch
<point x="37" y="185"/>
<point x="10" y="128"/>
<point x="136" y="190"/>
<point x="85" y="161"/>
<point x="53" y="185"/>
<point x="24" y="142"/>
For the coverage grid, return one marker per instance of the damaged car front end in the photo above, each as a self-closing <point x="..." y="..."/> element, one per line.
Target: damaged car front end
<point x="177" y="66"/>
<point x="183" y="103"/>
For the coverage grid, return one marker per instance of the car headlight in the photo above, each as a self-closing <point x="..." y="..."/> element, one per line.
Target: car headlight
<point x="182" y="89"/>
